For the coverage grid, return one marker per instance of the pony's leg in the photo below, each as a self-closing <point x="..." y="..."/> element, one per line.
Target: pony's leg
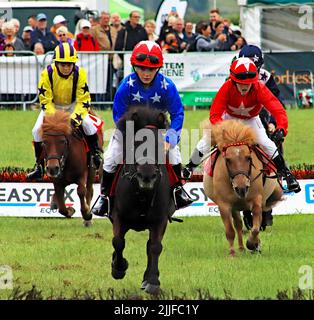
<point x="59" y="196"/>
<point x="225" y="213"/>
<point x="81" y="192"/>
<point x="237" y="221"/>
<point x="53" y="202"/>
<point x="151" y="282"/>
<point x="253" y="242"/>
<point x="119" y="264"/>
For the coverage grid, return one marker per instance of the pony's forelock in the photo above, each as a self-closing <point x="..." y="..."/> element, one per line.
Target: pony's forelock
<point x="59" y="122"/>
<point x="233" y="131"/>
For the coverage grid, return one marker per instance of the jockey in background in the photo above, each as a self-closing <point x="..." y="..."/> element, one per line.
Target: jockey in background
<point x="256" y="55"/>
<point x="145" y="86"/>
<point x="242" y="97"/>
<point x="63" y="85"/>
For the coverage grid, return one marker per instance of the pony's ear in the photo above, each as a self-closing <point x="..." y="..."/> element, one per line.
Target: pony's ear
<point x="161" y="119"/>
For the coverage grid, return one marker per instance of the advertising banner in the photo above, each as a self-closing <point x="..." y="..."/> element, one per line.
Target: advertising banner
<point x="33" y="200"/>
<point x="292" y="71"/>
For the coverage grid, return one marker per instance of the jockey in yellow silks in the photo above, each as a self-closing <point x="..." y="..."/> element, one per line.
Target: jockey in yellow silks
<point x="63" y="85"/>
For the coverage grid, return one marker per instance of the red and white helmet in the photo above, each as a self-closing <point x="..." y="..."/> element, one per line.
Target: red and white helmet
<point x="147" y="54"/>
<point x="243" y="70"/>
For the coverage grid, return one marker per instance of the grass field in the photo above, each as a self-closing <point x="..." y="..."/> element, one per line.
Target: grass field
<point x="62" y="259"/>
<point x="59" y="256"/>
<point x="16" y="126"/>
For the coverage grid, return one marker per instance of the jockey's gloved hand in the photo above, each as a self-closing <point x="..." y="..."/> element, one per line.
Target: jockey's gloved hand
<point x="278" y="136"/>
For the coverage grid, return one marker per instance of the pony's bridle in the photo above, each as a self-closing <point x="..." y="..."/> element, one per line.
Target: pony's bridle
<point x="132" y="174"/>
<point x="244" y="173"/>
<point x="61" y="158"/>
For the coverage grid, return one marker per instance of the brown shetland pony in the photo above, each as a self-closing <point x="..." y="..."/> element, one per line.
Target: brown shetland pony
<point x="237" y="182"/>
<point x="67" y="162"/>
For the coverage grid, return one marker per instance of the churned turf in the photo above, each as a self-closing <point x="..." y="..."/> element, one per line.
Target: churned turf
<point x="61" y="258"/>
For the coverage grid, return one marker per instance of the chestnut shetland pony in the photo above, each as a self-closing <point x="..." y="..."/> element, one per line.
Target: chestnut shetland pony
<point x="237" y="182"/>
<point x="67" y="162"/>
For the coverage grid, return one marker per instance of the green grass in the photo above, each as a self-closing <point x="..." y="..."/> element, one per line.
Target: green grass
<point x="16" y="126"/>
<point x="59" y="256"/>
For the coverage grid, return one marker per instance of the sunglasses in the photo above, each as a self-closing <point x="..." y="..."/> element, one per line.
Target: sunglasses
<point x="141" y="57"/>
<point x="245" y="75"/>
<point x="62" y="35"/>
<point x="136" y="17"/>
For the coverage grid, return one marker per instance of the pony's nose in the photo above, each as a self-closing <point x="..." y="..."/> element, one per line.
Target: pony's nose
<point x="241" y="192"/>
<point x="53" y="171"/>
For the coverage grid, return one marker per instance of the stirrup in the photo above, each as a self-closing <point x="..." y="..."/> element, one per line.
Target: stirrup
<point x="105" y="214"/>
<point x="176" y="193"/>
<point x="38" y="171"/>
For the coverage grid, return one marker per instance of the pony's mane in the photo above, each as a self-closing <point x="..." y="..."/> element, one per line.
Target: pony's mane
<point x="58" y="122"/>
<point x="142" y="116"/>
<point x="233" y="131"/>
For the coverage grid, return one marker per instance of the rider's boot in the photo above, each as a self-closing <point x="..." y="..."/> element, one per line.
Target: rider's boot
<point x="102" y="207"/>
<point x="292" y="183"/>
<point x="194" y="162"/>
<point x="181" y="197"/>
<point x="38" y="171"/>
<point x="96" y="152"/>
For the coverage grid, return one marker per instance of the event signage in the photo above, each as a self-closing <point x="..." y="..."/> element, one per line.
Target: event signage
<point x="33" y="200"/>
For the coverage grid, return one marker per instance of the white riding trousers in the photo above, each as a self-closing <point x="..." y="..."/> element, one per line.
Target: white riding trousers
<point x="114" y="154"/>
<point x="87" y="124"/>
<point x="262" y="138"/>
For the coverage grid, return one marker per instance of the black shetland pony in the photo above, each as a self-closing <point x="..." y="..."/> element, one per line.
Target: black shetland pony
<point x="143" y="197"/>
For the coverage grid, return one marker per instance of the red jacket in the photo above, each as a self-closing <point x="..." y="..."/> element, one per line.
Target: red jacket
<point x="229" y="100"/>
<point x="86" y="43"/>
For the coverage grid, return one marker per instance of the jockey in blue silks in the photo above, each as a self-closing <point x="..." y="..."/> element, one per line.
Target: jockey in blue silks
<point x="145" y="86"/>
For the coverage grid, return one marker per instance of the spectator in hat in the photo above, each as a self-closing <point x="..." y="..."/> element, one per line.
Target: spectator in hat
<point x="62" y="35"/>
<point x="43" y="35"/>
<point x="84" y="40"/>
<point x="59" y="21"/>
<point x="26" y="38"/>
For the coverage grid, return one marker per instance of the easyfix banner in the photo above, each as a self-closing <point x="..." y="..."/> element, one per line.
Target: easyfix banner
<point x="33" y="200"/>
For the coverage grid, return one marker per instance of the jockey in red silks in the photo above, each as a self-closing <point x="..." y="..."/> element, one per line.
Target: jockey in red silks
<point x="242" y="97"/>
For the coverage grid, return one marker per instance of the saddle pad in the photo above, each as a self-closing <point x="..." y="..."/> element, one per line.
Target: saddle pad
<point x="211" y="161"/>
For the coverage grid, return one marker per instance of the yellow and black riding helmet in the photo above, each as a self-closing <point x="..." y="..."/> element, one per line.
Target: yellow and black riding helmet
<point x="65" y="52"/>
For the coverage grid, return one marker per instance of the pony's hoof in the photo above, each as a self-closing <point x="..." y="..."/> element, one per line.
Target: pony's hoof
<point x="254" y="247"/>
<point x="70" y="211"/>
<point x="152" y="289"/>
<point x="119" y="273"/>
<point x="144" y="285"/>
<point x="87" y="223"/>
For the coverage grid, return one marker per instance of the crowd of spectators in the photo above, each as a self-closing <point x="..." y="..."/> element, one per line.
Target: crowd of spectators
<point x="107" y="32"/>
